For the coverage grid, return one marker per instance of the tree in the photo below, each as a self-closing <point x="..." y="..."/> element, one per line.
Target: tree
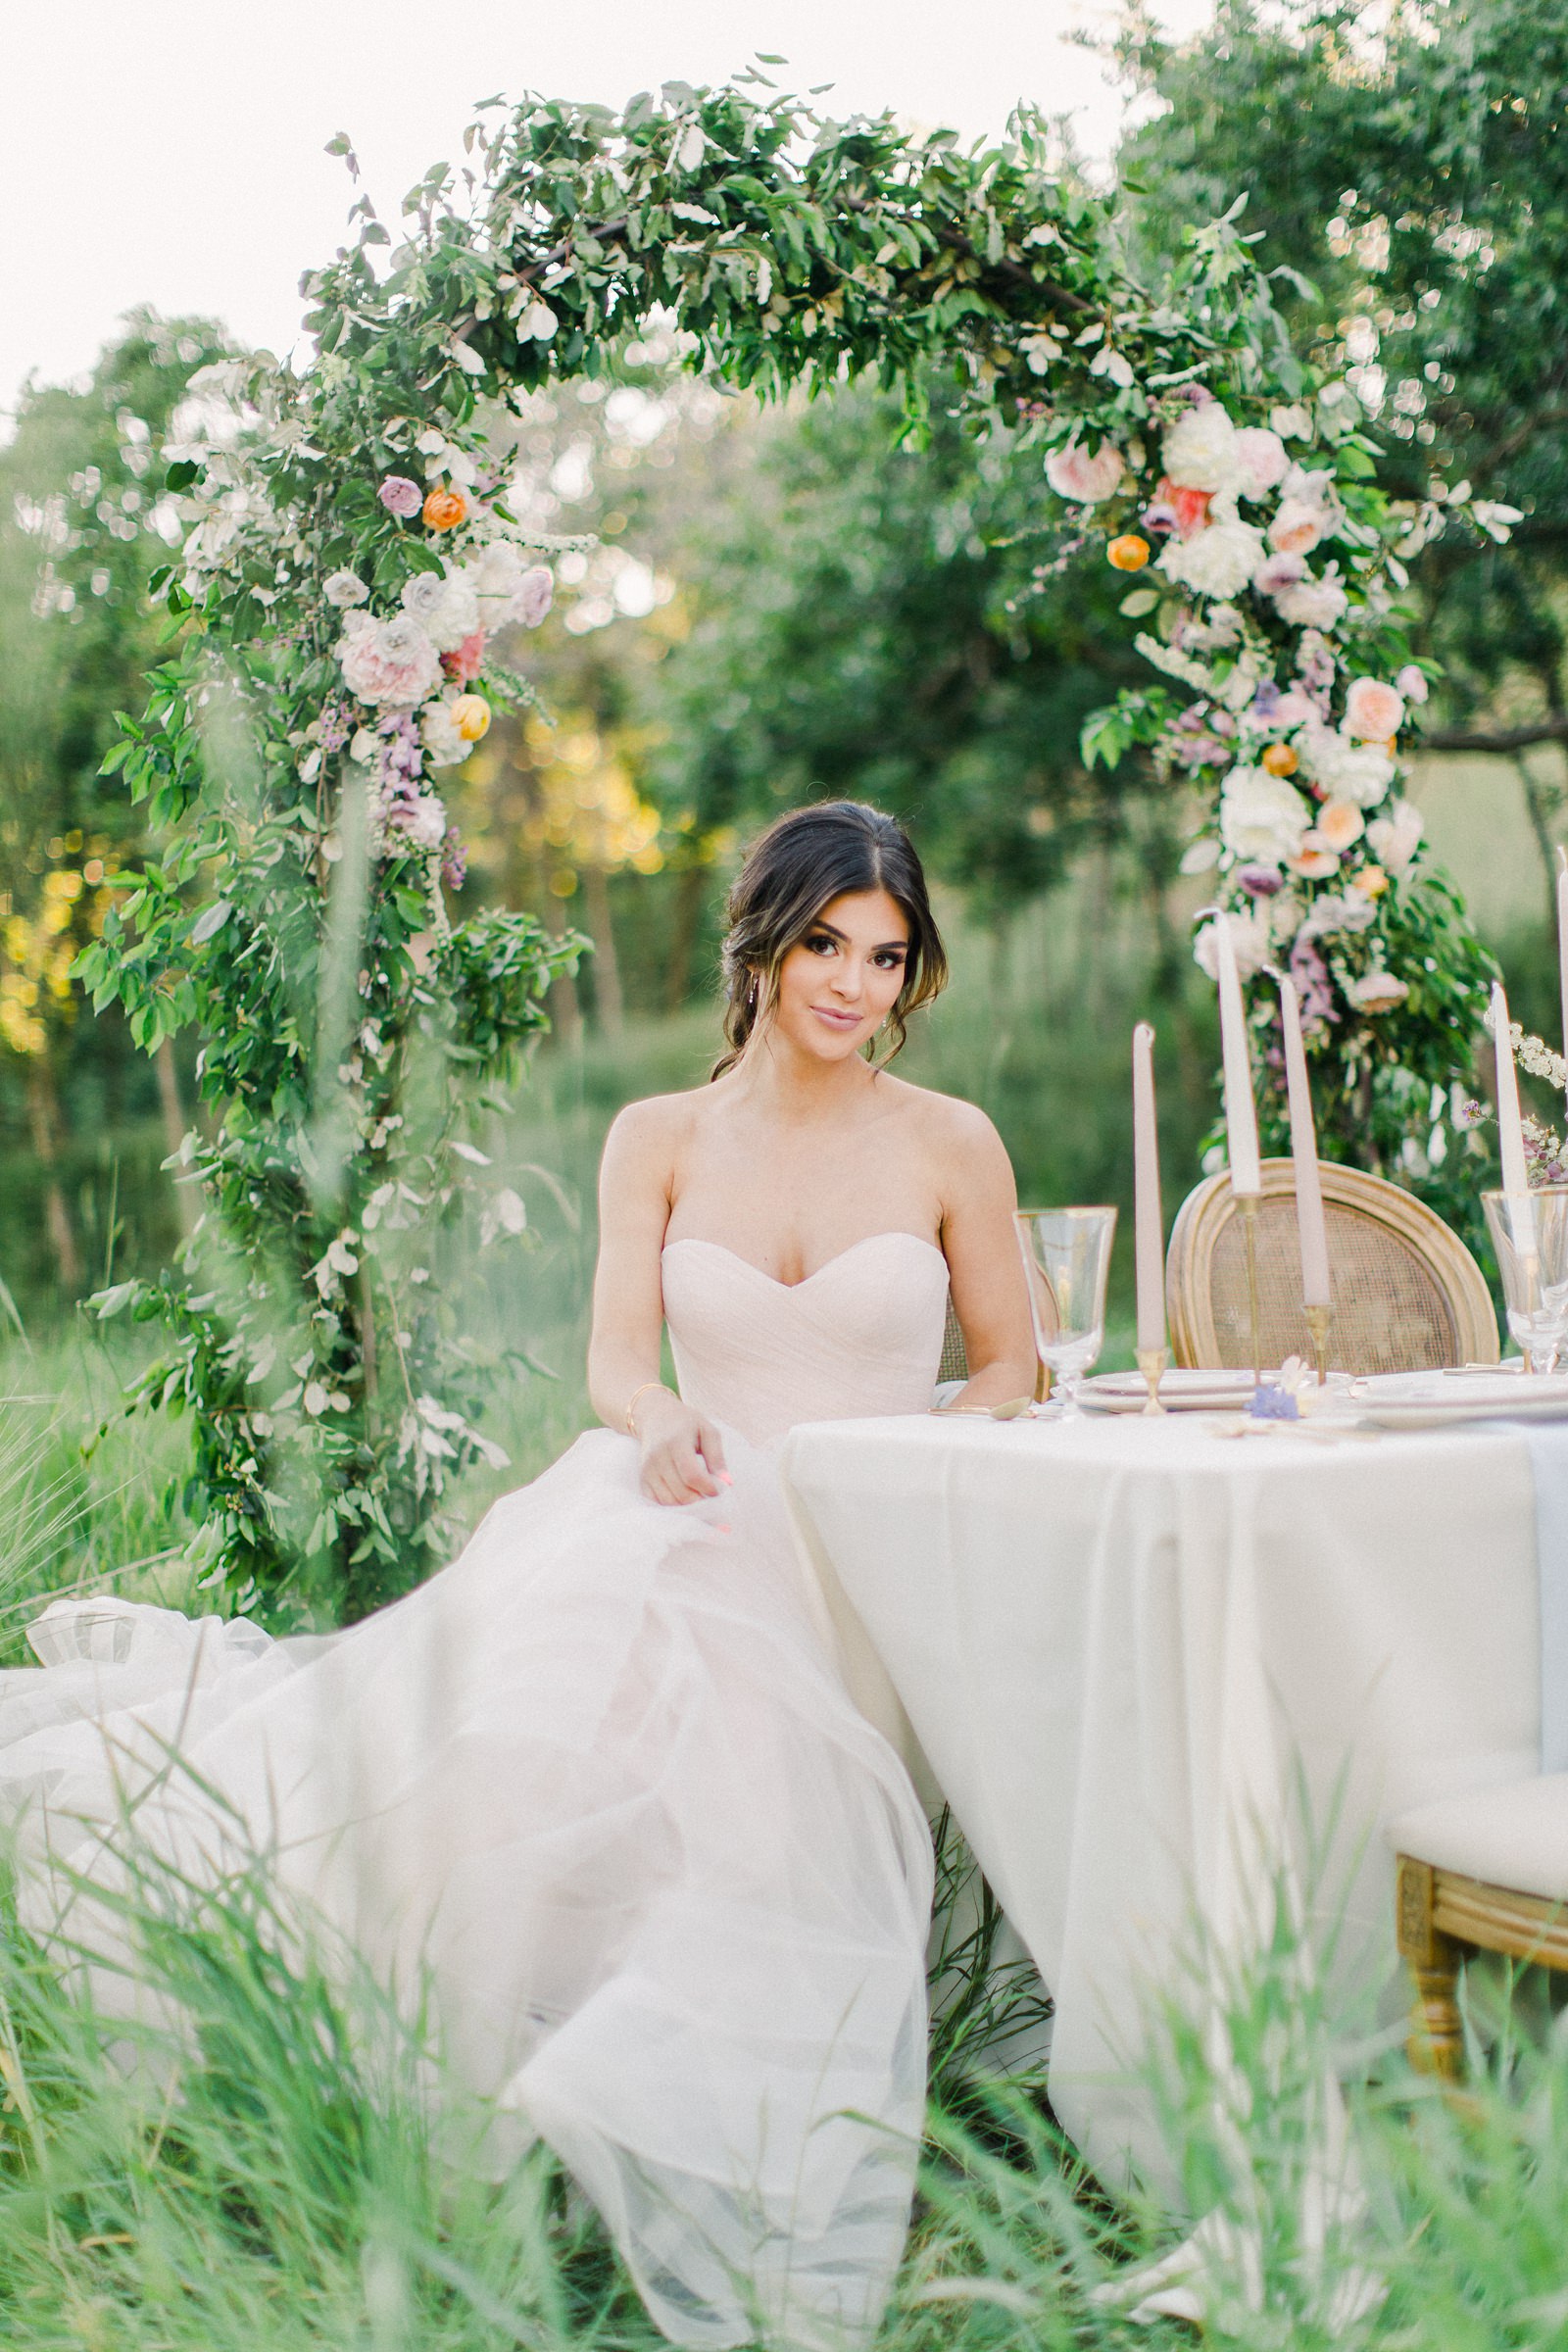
<point x="84" y="522"/>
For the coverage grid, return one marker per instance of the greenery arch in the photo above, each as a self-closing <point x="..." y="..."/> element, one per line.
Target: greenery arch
<point x="349" y="571"/>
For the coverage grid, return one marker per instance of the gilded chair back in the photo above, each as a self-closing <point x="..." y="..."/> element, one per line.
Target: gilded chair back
<point x="954" y="1364"/>
<point x="1408" y="1296"/>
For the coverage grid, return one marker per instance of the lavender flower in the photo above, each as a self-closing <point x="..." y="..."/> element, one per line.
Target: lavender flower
<point x="455" y="860"/>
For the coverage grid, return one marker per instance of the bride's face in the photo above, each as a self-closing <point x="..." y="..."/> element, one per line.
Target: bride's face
<point x="837" y="985"/>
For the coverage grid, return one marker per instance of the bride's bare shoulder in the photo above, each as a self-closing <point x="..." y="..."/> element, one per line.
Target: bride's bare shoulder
<point x="657" y="1126"/>
<point x="945" y="1123"/>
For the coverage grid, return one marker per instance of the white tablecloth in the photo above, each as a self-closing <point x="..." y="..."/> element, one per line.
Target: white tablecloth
<point x="1114" y="1638"/>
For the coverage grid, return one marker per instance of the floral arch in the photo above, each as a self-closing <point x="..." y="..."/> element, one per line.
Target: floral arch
<point x="350" y="568"/>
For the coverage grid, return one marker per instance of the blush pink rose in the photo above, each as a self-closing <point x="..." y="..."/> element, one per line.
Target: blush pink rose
<point x="1262" y="459"/>
<point x="1073" y="472"/>
<point x="1373" y="711"/>
<point x="536" y="593"/>
<point x="388" y="662"/>
<point x="400" y="496"/>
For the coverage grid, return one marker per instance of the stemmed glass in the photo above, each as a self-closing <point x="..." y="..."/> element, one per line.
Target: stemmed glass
<point x="1530" y="1234"/>
<point x="1066" y="1257"/>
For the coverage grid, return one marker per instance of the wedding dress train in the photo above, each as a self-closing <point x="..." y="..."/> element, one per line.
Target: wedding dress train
<point x="601" y="1788"/>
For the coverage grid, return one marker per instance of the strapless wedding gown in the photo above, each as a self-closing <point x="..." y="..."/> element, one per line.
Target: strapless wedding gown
<point x="599" y="1788"/>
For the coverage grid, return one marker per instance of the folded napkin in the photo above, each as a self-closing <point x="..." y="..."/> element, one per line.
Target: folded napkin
<point x="1547" y="1441"/>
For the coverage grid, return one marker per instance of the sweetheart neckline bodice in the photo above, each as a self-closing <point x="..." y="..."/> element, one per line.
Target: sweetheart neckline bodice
<point x="861" y="1334"/>
<point x="695" y="1241"/>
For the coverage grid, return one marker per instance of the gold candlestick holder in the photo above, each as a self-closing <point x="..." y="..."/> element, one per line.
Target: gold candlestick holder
<point x="1151" y="1362"/>
<point x="1246" y="1204"/>
<point x="1318" y="1319"/>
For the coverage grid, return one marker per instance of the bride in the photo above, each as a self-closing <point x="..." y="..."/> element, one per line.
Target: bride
<point x="600" y="1788"/>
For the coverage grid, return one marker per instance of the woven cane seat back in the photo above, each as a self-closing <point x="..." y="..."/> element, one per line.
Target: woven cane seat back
<point x="954" y="1364"/>
<point x="1408" y="1296"/>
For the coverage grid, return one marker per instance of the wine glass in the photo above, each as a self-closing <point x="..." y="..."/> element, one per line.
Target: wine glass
<point x="1530" y="1234"/>
<point x="1066" y="1257"/>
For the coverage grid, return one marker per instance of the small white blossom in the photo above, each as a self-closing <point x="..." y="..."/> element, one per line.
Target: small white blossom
<point x="345" y="589"/>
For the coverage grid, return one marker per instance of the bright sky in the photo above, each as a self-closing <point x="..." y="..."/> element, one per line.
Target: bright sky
<point x="170" y="151"/>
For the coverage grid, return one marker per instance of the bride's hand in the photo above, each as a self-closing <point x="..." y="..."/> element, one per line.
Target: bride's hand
<point x="683" y="1457"/>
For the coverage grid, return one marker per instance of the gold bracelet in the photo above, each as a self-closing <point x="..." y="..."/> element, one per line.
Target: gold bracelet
<point x="633" y="1400"/>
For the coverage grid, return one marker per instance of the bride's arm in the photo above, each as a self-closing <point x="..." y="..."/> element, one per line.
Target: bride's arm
<point x="980" y="1243"/>
<point x="682" y="1457"/>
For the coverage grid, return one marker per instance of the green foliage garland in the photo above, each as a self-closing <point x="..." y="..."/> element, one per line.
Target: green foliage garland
<point x="350" y="559"/>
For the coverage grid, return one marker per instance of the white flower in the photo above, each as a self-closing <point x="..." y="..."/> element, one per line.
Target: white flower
<point x="1262" y="818"/>
<point x="1262" y="459"/>
<point x="1496" y="518"/>
<point x="1377" y="992"/>
<point x="444" y="746"/>
<point x="365" y="746"/>
<point x="345" y="589"/>
<point x="1313" y="603"/>
<point x="1249" y="937"/>
<point x="1300" y="525"/>
<point x="1293" y="422"/>
<point x="391" y="662"/>
<point x="1216" y="561"/>
<point x="1086" y="478"/>
<point x="1347" y="772"/>
<point x="1412" y="683"/>
<point x="444" y="604"/>
<point x="1338" y="911"/>
<point x="1394" y="837"/>
<point x="1199" y="448"/>
<point x="507" y="588"/>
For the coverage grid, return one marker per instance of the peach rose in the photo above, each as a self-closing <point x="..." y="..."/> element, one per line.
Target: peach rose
<point x="1314" y="865"/>
<point x="1373" y="713"/>
<point x="1340" y="823"/>
<point x="444" y="510"/>
<point x="1300" y="525"/>
<point x="1370" y="880"/>
<point x="470" y="716"/>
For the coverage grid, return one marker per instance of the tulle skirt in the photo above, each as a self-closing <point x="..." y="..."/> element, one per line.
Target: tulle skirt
<point x="597" y="1794"/>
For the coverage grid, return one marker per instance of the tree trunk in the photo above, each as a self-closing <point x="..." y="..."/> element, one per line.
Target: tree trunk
<point x="1542" y="802"/>
<point x="608" y="995"/>
<point x="687" y="914"/>
<point x="186" y="1195"/>
<point x="43" y="1120"/>
<point x="566" y="1007"/>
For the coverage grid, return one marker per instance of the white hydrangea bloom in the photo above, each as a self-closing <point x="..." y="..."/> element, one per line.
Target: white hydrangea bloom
<point x="1262" y="817"/>
<point x="1199" y="448"/>
<point x="1217" y="561"/>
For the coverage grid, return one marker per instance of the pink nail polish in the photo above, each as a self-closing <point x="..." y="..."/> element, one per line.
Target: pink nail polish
<point x="723" y="1525"/>
<point x="724" y="1477"/>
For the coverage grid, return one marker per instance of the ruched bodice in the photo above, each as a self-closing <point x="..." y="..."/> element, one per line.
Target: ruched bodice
<point x="861" y="1336"/>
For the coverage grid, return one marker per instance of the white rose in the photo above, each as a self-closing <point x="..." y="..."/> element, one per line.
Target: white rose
<point x="443" y="745"/>
<point x="1199" y="448"/>
<point x="1338" y="911"/>
<point x="1412" y="683"/>
<point x="1073" y="472"/>
<point x="1216" y="561"/>
<point x="1262" y="818"/>
<point x="345" y="589"/>
<point x="1313" y="603"/>
<point x="1262" y="459"/>
<point x="444" y="604"/>
<point x="1249" y="937"/>
<point x="1347" y="772"/>
<point x="391" y="662"/>
<point x="1394" y="837"/>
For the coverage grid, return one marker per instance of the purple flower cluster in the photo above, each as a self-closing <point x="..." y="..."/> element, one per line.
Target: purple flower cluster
<point x="453" y="859"/>
<point x="1314" y="984"/>
<point x="1543" y="1167"/>
<point x="1199" y="741"/>
<point x="335" y="726"/>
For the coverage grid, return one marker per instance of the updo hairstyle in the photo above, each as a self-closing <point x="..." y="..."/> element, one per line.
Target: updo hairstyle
<point x="798" y="868"/>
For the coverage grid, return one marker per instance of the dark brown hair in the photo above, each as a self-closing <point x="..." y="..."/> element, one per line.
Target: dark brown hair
<point x="801" y="863"/>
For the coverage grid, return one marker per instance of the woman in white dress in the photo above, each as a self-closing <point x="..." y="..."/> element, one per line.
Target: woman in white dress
<point x="600" y="1788"/>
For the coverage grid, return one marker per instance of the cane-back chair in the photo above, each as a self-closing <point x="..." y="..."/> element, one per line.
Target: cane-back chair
<point x="954" y="1364"/>
<point x="1486" y="1871"/>
<point x="1408" y="1296"/>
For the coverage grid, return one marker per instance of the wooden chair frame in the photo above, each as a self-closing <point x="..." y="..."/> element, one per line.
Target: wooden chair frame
<point x="1204" y="1213"/>
<point x="1442" y="1917"/>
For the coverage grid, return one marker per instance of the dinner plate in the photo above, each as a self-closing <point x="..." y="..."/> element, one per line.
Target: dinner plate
<point x="1179" y="1392"/>
<point x="1435" y="1399"/>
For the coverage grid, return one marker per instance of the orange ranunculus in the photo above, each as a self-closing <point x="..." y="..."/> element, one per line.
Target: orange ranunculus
<point x="1370" y="880"/>
<point x="444" y="510"/>
<point x="1280" y="759"/>
<point x="470" y="716"/>
<point x="1129" y="553"/>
